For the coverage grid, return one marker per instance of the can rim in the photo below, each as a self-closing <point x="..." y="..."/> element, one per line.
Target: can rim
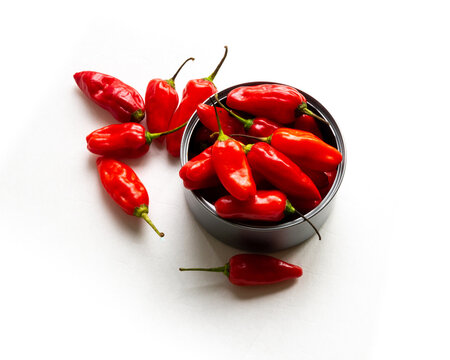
<point x="323" y="112"/>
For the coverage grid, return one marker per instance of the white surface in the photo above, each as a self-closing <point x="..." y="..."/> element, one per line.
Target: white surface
<point x="80" y="279"/>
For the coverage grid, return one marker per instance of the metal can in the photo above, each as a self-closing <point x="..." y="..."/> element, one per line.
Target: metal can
<point x="263" y="237"/>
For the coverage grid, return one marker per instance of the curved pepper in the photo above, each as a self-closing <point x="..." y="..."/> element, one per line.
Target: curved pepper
<point x="266" y="205"/>
<point x="281" y="172"/>
<point x="280" y="103"/>
<point x="306" y="149"/>
<point x="195" y="92"/>
<point x="128" y="140"/>
<point x="161" y="100"/>
<point x="125" y="188"/>
<point x="113" y="95"/>
<point x="255" y="269"/>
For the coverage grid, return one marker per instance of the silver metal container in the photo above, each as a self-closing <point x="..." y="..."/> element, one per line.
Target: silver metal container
<point x="263" y="238"/>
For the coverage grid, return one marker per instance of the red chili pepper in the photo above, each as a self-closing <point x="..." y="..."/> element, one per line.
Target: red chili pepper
<point x="207" y="117"/>
<point x="280" y="103"/>
<point x="281" y="171"/>
<point x="125" y="188"/>
<point x="195" y="92"/>
<point x="199" y="173"/>
<point x="306" y="149"/>
<point x="120" y="99"/>
<point x="200" y="167"/>
<point x="231" y="166"/>
<point x="128" y="140"/>
<point x="307" y="123"/>
<point x="258" y="126"/>
<point x="266" y="205"/>
<point x="161" y="100"/>
<point x="255" y="269"/>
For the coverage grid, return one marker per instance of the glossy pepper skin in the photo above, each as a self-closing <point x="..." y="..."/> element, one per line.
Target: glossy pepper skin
<point x="199" y="173"/>
<point x="125" y="188"/>
<point x="113" y="95"/>
<point x="307" y="123"/>
<point x="161" y="101"/>
<point x="195" y="92"/>
<point x="279" y="103"/>
<point x="129" y="140"/>
<point x="119" y="140"/>
<point x="258" y="126"/>
<point x="305" y="149"/>
<point x="200" y="167"/>
<point x="207" y="117"/>
<point x="266" y="205"/>
<point x="232" y="168"/>
<point x="255" y="269"/>
<point x="281" y="171"/>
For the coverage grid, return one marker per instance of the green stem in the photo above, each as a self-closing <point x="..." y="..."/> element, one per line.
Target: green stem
<point x="213" y="75"/>
<point x="267" y="139"/>
<point x="171" y="81"/>
<point x="223" y="269"/>
<point x="142" y="212"/>
<point x="222" y="136"/>
<point x="246" y="122"/>
<point x="150" y="136"/>
<point x="304" y="109"/>
<point x="137" y="116"/>
<point x="291" y="210"/>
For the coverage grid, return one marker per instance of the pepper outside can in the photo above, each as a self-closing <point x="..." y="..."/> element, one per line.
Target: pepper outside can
<point x="263" y="238"/>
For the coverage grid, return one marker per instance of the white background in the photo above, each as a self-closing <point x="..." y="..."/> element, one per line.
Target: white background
<point x="80" y="279"/>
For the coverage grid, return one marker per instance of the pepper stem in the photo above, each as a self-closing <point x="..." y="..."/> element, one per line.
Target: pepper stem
<point x="222" y="136"/>
<point x="142" y="211"/>
<point x="304" y="109"/>
<point x="137" y="116"/>
<point x="246" y="122"/>
<point x="223" y="269"/>
<point x="150" y="136"/>
<point x="267" y="139"/>
<point x="171" y="81"/>
<point x="289" y="210"/>
<point x="216" y="70"/>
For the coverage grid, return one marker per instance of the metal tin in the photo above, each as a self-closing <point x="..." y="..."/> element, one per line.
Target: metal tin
<point x="264" y="238"/>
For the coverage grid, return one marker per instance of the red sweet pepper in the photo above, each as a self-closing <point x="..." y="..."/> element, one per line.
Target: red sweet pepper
<point x="255" y="269"/>
<point x="266" y="205"/>
<point x="194" y="93"/>
<point x="231" y="166"/>
<point x="280" y="103"/>
<point x="281" y="171"/>
<point x="128" y="140"/>
<point x="125" y="188"/>
<point x="258" y="126"/>
<point x="161" y="100"/>
<point x="120" y="99"/>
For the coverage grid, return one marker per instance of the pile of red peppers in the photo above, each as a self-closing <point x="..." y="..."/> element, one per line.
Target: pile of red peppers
<point x="272" y="165"/>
